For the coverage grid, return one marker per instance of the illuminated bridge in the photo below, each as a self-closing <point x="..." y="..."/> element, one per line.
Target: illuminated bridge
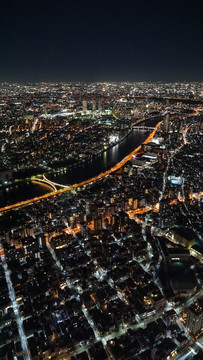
<point x="43" y="181"/>
<point x="85" y="182"/>
<point x="142" y="127"/>
<point x="48" y="182"/>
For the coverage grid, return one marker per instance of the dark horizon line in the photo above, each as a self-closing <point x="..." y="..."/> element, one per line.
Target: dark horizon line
<point x="24" y="82"/>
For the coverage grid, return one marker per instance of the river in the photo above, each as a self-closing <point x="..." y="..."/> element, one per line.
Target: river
<point x="96" y="165"/>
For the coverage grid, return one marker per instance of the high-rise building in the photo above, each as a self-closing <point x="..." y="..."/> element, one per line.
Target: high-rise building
<point x="180" y="125"/>
<point x="97" y="224"/>
<point x="94" y="105"/>
<point x="84" y="106"/>
<point x="166" y="123"/>
<point x="194" y="321"/>
<point x="100" y="107"/>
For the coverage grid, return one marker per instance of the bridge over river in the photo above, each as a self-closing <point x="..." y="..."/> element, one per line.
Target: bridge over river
<point x="95" y="170"/>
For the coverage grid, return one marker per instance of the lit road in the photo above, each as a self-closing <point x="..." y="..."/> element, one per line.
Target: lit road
<point x="142" y="323"/>
<point x="122" y="329"/>
<point x="77" y="290"/>
<point x="15" y="307"/>
<point x="190" y="351"/>
<point x="95" y="178"/>
<point x="34" y="125"/>
<point x="48" y="182"/>
<point x="189" y="301"/>
<point x="7" y="131"/>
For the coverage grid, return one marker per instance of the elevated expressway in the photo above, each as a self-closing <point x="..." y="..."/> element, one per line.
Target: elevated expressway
<point x="75" y="186"/>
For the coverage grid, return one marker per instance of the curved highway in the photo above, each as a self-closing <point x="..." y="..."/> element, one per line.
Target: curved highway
<point x="88" y="181"/>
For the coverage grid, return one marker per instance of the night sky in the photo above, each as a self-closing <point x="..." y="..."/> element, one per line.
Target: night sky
<point x="63" y="40"/>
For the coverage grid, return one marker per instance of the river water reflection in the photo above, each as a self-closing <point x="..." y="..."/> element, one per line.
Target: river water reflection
<point x="85" y="170"/>
<point x="102" y="162"/>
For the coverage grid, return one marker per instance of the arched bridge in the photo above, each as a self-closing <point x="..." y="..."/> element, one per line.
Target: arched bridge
<point x="46" y="181"/>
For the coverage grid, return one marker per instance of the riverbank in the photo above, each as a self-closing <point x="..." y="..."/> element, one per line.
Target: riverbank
<point x="69" y="164"/>
<point x="23" y="177"/>
<point x="38" y="173"/>
<point x="136" y="143"/>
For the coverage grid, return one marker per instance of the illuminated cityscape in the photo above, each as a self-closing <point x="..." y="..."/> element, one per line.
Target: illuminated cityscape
<point x="101" y="182"/>
<point x="101" y="221"/>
